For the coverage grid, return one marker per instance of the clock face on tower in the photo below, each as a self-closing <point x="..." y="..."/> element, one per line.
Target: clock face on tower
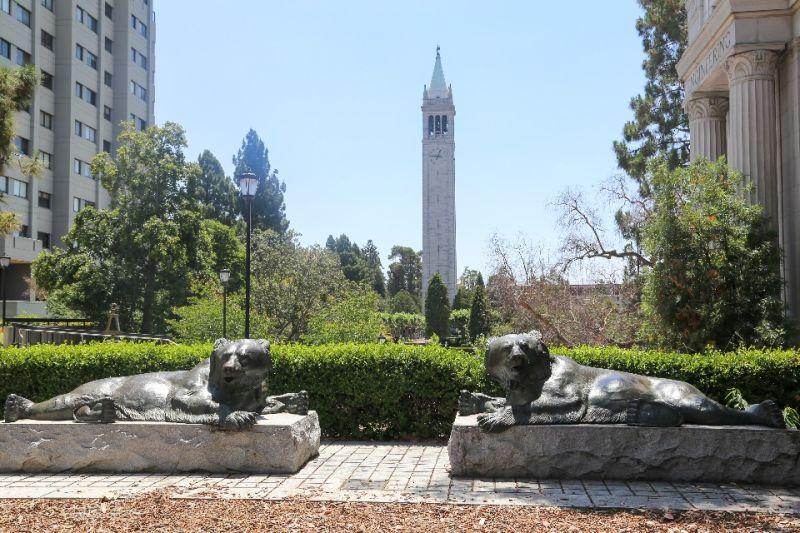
<point x="436" y="156"/>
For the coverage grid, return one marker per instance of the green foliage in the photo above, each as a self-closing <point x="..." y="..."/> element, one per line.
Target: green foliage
<point x="291" y="282"/>
<point x="459" y="321"/>
<point x="268" y="207"/>
<point x="791" y="417"/>
<point x="437" y="309"/>
<point x="659" y="128"/>
<point x="200" y="320"/>
<point x="403" y="302"/>
<point x="404" y="326"/>
<point x="715" y="278"/>
<point x="463" y="299"/>
<point x="735" y="400"/>
<point x="405" y="271"/>
<point x="479" y="319"/>
<point x="380" y="391"/>
<point x="353" y="318"/>
<point x="359" y="266"/>
<point x="146" y="251"/>
<point x="214" y="191"/>
<point x="17" y="86"/>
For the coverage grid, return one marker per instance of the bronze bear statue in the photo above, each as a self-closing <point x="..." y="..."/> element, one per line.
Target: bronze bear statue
<point x="228" y="390"/>
<point x="552" y="389"/>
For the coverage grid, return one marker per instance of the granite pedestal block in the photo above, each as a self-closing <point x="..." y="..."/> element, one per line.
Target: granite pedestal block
<point x="746" y="454"/>
<point x="277" y="444"/>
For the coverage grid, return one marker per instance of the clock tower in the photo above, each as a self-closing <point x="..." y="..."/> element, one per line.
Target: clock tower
<point x="438" y="182"/>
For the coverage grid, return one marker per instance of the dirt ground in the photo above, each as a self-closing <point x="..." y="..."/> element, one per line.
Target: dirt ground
<point x="158" y="512"/>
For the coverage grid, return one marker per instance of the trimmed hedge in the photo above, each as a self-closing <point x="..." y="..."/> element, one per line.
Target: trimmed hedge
<point x="389" y="390"/>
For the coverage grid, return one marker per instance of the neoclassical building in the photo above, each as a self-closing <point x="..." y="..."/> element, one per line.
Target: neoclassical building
<point x="741" y="74"/>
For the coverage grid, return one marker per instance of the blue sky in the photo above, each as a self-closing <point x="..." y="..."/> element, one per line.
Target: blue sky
<point x="334" y="88"/>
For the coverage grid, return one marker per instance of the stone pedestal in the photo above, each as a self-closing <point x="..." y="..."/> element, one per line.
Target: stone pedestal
<point x="746" y="454"/>
<point x="277" y="444"/>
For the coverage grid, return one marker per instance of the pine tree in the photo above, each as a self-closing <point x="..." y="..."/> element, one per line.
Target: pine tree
<point x="463" y="299"/>
<point x="437" y="309"/>
<point x="268" y="208"/>
<point x="479" y="312"/>
<point x="215" y="191"/>
<point x="373" y="260"/>
<point x="660" y="128"/>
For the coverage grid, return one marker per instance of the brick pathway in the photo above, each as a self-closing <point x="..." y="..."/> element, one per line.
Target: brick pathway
<point x="392" y="472"/>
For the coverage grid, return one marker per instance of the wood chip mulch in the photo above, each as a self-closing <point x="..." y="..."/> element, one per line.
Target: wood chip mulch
<point x="158" y="512"/>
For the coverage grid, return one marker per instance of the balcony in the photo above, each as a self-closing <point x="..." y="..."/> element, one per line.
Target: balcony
<point x="20" y="249"/>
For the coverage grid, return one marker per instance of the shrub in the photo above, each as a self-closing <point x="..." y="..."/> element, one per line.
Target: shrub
<point x="200" y="320"/>
<point x="459" y="321"/>
<point x="354" y="318"/>
<point x="404" y="325"/>
<point x="380" y="391"/>
<point x="403" y="302"/>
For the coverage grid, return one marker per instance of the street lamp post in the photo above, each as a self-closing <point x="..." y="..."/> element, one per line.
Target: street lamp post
<point x="4" y="262"/>
<point x="248" y="183"/>
<point x="224" y="277"/>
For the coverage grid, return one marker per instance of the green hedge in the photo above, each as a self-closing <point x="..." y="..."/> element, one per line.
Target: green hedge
<point x="388" y="390"/>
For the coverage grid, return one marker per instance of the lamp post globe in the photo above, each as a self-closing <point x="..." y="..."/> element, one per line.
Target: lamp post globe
<point x="248" y="185"/>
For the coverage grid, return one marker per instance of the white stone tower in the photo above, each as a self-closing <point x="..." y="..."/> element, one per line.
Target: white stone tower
<point x="438" y="182"/>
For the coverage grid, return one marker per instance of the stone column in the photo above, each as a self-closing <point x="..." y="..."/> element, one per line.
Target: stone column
<point x="707" y="129"/>
<point x="752" y="141"/>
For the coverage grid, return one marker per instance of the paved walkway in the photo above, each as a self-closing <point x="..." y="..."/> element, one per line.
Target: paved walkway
<point x="397" y="472"/>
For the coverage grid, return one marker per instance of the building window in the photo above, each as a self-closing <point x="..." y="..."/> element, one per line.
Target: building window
<point x="5" y="5"/>
<point x="444" y="123"/>
<point x="23" y="57"/>
<point x="87" y="132"/>
<point x="139" y="58"/>
<point x="109" y="46"/>
<point x="85" y="94"/>
<point x="23" y="231"/>
<point x="107" y="113"/>
<point x="438" y="124"/>
<point x="108" y="78"/>
<point x="44" y="200"/>
<point x="46" y="159"/>
<point x="430" y="124"/>
<point x="140" y="123"/>
<point x="47" y="80"/>
<point x="80" y="203"/>
<point x="48" y="4"/>
<point x="4" y="184"/>
<point x="17" y="188"/>
<point x="23" y="145"/>
<point x="107" y="146"/>
<point x="82" y="16"/>
<point x="86" y="56"/>
<point x="47" y="40"/>
<point x="5" y="49"/>
<point x="45" y="238"/>
<point x="22" y="14"/>
<point x="82" y="168"/>
<point x="139" y="26"/>
<point x="109" y="11"/>
<point x="138" y="91"/>
<point x="45" y="120"/>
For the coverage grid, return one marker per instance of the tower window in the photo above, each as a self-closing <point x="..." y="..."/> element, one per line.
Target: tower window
<point x="438" y="124"/>
<point x="444" y="123"/>
<point x="430" y="124"/>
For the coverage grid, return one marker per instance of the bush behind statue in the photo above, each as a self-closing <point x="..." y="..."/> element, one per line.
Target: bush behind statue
<point x="379" y="391"/>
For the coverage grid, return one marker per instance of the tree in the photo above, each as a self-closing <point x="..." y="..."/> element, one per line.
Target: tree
<point x="150" y="248"/>
<point x="437" y="309"/>
<point x="715" y="276"/>
<point x="353" y="317"/>
<point x="268" y="207"/>
<point x="373" y="260"/>
<point x="291" y="283"/>
<point x="16" y="89"/>
<point x="660" y="128"/>
<point x="405" y="271"/>
<point x="215" y="191"/>
<point x="200" y="318"/>
<point x="479" y="320"/>
<point x="403" y="302"/>
<point x="466" y="288"/>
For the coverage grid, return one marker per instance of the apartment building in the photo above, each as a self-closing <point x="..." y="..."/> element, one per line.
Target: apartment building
<point x="97" y="60"/>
